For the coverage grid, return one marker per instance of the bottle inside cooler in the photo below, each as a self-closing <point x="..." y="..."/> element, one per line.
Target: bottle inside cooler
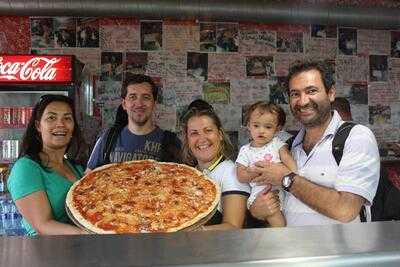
<point x="10" y="218"/>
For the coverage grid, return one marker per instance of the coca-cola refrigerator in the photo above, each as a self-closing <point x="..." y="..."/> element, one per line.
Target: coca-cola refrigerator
<point x="23" y="80"/>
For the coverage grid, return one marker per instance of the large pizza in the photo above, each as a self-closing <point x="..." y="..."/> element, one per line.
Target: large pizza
<point x="142" y="196"/>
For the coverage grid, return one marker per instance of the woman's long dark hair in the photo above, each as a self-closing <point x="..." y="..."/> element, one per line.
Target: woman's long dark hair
<point x="32" y="143"/>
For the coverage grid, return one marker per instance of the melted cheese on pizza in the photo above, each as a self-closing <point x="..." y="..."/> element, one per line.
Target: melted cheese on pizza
<point x="143" y="196"/>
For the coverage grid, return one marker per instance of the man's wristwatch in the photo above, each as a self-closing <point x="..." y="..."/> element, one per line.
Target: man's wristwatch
<point x="287" y="181"/>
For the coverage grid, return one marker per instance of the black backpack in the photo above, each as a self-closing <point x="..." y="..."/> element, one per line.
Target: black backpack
<point x="386" y="206"/>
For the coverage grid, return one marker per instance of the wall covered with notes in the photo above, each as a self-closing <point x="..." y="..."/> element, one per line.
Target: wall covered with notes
<point x="230" y="65"/>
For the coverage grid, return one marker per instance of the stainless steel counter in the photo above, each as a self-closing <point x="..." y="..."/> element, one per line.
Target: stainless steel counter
<point x="369" y="244"/>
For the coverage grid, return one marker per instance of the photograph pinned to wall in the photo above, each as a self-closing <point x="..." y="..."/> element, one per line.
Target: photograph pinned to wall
<point x="278" y="91"/>
<point x="197" y="65"/>
<point x="289" y="42"/>
<point x="87" y="32"/>
<point x="65" y="32"/>
<point x="379" y="115"/>
<point x="260" y="66"/>
<point x="323" y="31"/>
<point x="347" y="41"/>
<point x="359" y="93"/>
<point x="90" y="57"/>
<point x="395" y="44"/>
<point x="135" y="62"/>
<point x="378" y="68"/>
<point x="151" y="35"/>
<point x="227" y="37"/>
<point x="208" y="37"/>
<point x="111" y="66"/>
<point x="108" y="93"/>
<point x="216" y="92"/>
<point x="42" y="32"/>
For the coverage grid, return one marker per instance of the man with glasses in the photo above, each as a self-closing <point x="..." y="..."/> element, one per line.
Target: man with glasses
<point x="140" y="138"/>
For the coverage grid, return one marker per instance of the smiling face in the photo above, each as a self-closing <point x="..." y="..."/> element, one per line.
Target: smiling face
<point x="262" y="126"/>
<point x="310" y="102"/>
<point x="204" y="139"/>
<point x="56" y="126"/>
<point x="139" y="103"/>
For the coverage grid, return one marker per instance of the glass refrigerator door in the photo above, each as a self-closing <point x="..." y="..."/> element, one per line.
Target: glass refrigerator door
<point x="15" y="111"/>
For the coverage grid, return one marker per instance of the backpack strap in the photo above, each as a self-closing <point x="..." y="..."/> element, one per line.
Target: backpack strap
<point x="110" y="138"/>
<point x="340" y="139"/>
<point x="170" y="147"/>
<point x="338" y="143"/>
<point x="290" y="141"/>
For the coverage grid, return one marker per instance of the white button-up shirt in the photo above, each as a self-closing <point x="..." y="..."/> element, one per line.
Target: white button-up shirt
<point x="357" y="173"/>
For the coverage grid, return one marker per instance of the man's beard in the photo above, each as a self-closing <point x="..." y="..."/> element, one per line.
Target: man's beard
<point x="139" y="120"/>
<point x="322" y="113"/>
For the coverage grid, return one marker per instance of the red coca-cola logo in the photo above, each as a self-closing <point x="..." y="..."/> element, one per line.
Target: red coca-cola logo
<point x="35" y="69"/>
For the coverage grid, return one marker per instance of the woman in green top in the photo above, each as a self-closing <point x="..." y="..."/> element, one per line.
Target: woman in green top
<point x="43" y="174"/>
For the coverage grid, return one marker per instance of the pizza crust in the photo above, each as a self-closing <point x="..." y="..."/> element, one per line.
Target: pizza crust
<point x="76" y="216"/>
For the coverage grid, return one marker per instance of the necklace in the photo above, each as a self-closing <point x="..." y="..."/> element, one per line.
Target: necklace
<point x="210" y="168"/>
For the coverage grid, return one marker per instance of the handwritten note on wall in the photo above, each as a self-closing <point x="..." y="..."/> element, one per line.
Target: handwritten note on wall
<point x="373" y="42"/>
<point x="181" y="37"/>
<point x="226" y="67"/>
<point x="120" y="37"/>
<point x="257" y="41"/>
